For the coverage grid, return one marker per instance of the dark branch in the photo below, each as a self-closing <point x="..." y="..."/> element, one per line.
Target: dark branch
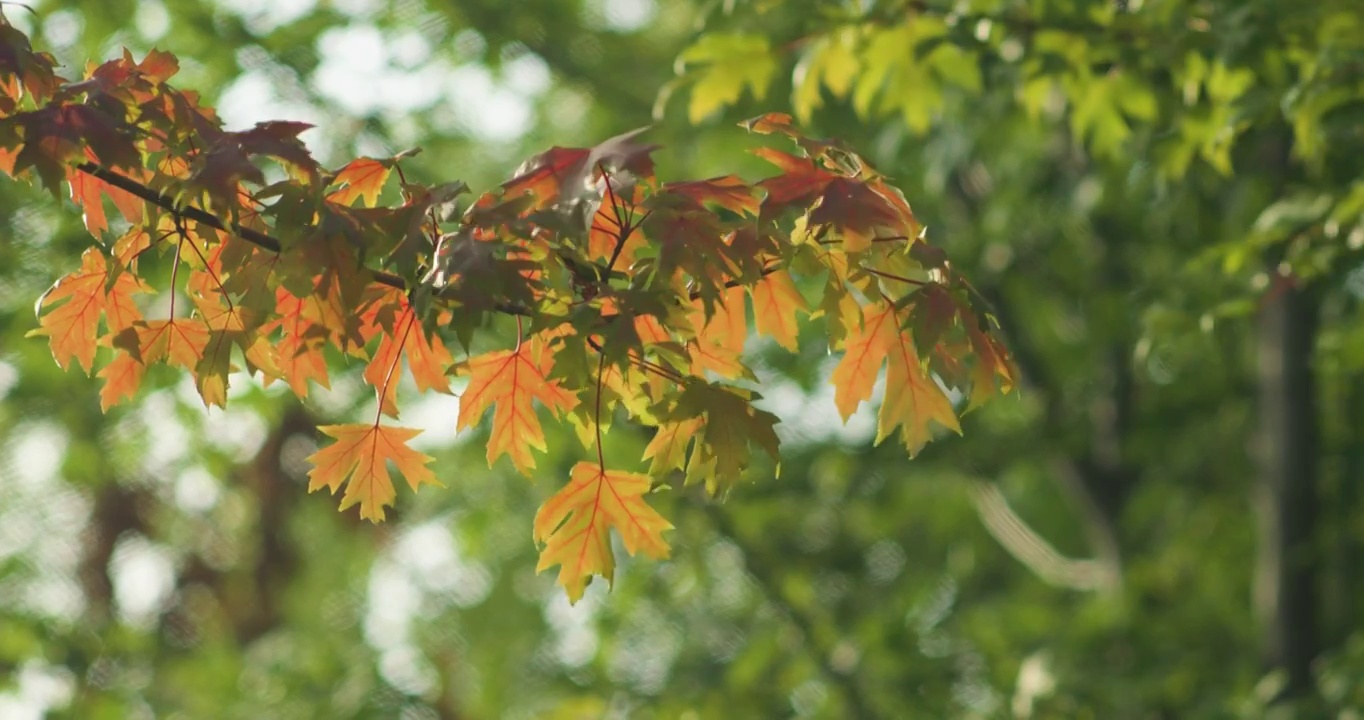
<point x="255" y="237"/>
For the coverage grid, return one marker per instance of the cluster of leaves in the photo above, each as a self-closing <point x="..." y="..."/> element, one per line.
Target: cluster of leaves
<point x="630" y="296"/>
<point x="1181" y="88"/>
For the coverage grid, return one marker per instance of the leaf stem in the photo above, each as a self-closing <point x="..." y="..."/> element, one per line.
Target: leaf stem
<point x="175" y="271"/>
<point x="208" y="268"/>
<point x="623" y="222"/>
<point x="409" y="320"/>
<point x="893" y="276"/>
<point x="596" y="418"/>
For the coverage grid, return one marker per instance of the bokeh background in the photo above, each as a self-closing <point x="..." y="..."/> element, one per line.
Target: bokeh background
<point x="1161" y="198"/>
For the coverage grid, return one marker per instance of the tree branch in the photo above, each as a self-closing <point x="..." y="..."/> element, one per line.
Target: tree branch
<point x="190" y="212"/>
<point x="1029" y="548"/>
<point x="255" y="237"/>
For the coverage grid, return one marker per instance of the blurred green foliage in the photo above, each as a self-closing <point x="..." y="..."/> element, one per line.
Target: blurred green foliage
<point x="1128" y="182"/>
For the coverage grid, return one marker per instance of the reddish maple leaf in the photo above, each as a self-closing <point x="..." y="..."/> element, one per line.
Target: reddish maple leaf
<point x="800" y="182"/>
<point x="858" y="213"/>
<point x="575" y="523"/>
<point x="563" y="173"/>
<point x="992" y="361"/>
<point x="729" y="192"/>
<point x="360" y="458"/>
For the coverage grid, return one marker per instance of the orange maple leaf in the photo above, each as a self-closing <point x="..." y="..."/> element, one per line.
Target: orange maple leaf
<point x="775" y="304"/>
<point x="913" y="398"/>
<point x="88" y="192"/>
<point x="426" y="355"/>
<point x="574" y="525"/>
<point x="133" y="243"/>
<point x="229" y="325"/>
<point x="363" y="178"/>
<point x="299" y="350"/>
<point x="73" y="327"/>
<point x="361" y="455"/>
<point x="177" y="341"/>
<point x="512" y="380"/>
<point x="122" y="377"/>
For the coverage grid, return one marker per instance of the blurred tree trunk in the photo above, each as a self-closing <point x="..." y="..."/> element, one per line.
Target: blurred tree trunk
<point x="1287" y="569"/>
<point x="1286" y="494"/>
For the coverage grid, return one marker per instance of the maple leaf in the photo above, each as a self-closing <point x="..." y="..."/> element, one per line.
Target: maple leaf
<point x="176" y="341"/>
<point x="782" y="124"/>
<point x="575" y="523"/>
<point x="607" y="230"/>
<point x="122" y="377"/>
<point x="857" y="213"/>
<point x="60" y="134"/>
<point x="88" y="192"/>
<point x="776" y="301"/>
<point x="300" y="347"/>
<point x="695" y="241"/>
<point x="226" y="162"/>
<point x="730" y="424"/>
<point x="228" y="325"/>
<point x="729" y="192"/>
<point x="362" y="178"/>
<point x="668" y="447"/>
<point x="360" y="458"/>
<point x="127" y="248"/>
<point x="719" y="343"/>
<point x="426" y="355"/>
<point x="913" y="399"/>
<point x="992" y="361"/>
<point x="72" y="328"/>
<point x="326" y="274"/>
<point x="512" y="380"/>
<point x="800" y="182"/>
<point x="22" y="69"/>
<point x="561" y="174"/>
<point x="721" y="66"/>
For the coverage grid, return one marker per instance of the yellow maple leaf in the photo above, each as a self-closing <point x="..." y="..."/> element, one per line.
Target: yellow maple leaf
<point x="361" y="455"/>
<point x="719" y="343"/>
<point x="575" y="525"/>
